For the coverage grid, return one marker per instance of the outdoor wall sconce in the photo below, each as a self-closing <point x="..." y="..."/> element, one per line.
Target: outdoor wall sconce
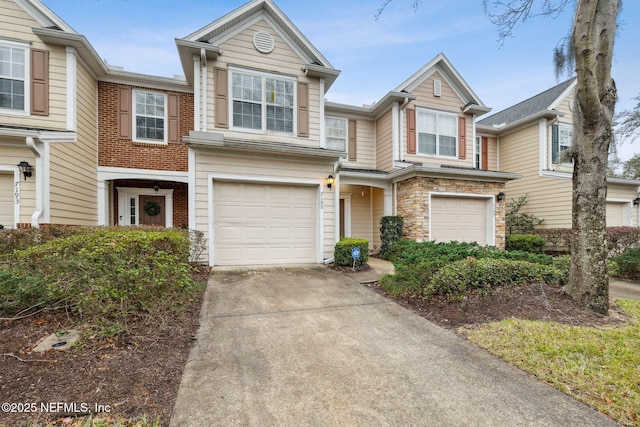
<point x="156" y="187"/>
<point x="500" y="196"/>
<point x="636" y="201"/>
<point x="25" y="168"/>
<point x="330" y="181"/>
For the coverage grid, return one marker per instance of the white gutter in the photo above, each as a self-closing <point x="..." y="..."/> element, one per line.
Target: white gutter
<point x="40" y="177"/>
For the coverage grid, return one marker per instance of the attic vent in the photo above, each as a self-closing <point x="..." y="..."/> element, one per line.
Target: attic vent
<point x="263" y="42"/>
<point x="437" y="88"/>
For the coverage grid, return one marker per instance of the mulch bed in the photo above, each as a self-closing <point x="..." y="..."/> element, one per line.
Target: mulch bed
<point x="128" y="375"/>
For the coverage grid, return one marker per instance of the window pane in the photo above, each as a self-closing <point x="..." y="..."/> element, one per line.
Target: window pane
<point x="427" y="122"/>
<point x="447" y="125"/>
<point x="426" y="143"/>
<point x="279" y="119"/>
<point x="447" y="146"/>
<point x="247" y="115"/>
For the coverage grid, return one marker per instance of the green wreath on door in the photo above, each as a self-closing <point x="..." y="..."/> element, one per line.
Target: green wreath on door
<point x="152" y="208"/>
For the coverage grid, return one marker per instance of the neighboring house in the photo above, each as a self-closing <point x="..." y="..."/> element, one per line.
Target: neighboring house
<point x="532" y="136"/>
<point x="246" y="148"/>
<point x="48" y="106"/>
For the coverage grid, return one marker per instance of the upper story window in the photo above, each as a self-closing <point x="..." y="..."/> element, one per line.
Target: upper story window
<point x="561" y="137"/>
<point x="262" y="102"/>
<point x="335" y="133"/>
<point x="437" y="133"/>
<point x="13" y="76"/>
<point x="149" y="118"/>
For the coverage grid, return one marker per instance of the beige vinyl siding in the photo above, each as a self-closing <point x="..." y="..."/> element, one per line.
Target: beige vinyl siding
<point x="447" y="102"/>
<point x="366" y="146"/>
<point x="11" y="156"/>
<point x="378" y="213"/>
<point x="548" y="198"/>
<point x="73" y="165"/>
<point x="361" y="215"/>
<point x="265" y="169"/>
<point x="15" y="25"/>
<point x="384" y="142"/>
<point x="493" y="154"/>
<point x="239" y="52"/>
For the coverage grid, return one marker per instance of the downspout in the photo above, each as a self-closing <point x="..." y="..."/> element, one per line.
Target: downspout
<point x="40" y="176"/>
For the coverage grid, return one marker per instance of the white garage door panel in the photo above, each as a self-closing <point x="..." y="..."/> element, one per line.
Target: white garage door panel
<point x="264" y="224"/>
<point x="615" y="214"/>
<point x="459" y="218"/>
<point x="6" y="200"/>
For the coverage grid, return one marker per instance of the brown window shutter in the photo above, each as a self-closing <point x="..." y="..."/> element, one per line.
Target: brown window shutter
<point x="462" y="138"/>
<point x="39" y="82"/>
<point x="174" y="117"/>
<point x="221" y="88"/>
<point x="353" y="153"/>
<point x="411" y="130"/>
<point x="303" y="109"/>
<point x="485" y="153"/>
<point x="124" y="112"/>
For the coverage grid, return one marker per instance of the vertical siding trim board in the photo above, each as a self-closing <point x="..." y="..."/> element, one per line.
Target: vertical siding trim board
<point x="174" y="117"/>
<point x="411" y="131"/>
<point x="484" y="162"/>
<point x="124" y="112"/>
<point x="353" y="154"/>
<point x="39" y="82"/>
<point x="303" y="109"/>
<point x="221" y="88"/>
<point x="462" y="138"/>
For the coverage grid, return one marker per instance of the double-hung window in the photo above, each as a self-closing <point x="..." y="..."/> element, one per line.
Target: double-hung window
<point x="561" y="137"/>
<point x="150" y="117"/>
<point x="335" y="133"/>
<point x="13" y="76"/>
<point x="437" y="133"/>
<point x="262" y="102"/>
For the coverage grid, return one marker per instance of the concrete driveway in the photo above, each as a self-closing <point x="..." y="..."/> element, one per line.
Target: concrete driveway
<point x="312" y="347"/>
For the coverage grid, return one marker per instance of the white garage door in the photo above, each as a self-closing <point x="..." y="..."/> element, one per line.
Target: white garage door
<point x="615" y="214"/>
<point x="6" y="200"/>
<point x="459" y="218"/>
<point x="264" y="224"/>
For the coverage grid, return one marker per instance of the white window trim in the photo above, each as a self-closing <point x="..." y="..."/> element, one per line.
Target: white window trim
<point x="437" y="113"/>
<point x="134" y="135"/>
<point x="263" y="103"/>
<point x="346" y="132"/>
<point x="125" y="194"/>
<point x="27" y="78"/>
<point x="347" y="214"/>
<point x="560" y="151"/>
<point x="477" y="152"/>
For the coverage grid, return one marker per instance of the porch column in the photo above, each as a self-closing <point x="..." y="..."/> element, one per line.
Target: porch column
<point x="388" y="202"/>
<point x="103" y="203"/>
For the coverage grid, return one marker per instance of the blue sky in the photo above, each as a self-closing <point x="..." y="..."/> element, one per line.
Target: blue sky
<point x="374" y="56"/>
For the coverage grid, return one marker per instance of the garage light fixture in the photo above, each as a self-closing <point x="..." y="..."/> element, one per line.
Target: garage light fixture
<point x="330" y="181"/>
<point x="500" y="196"/>
<point x="25" y="168"/>
<point x="156" y="187"/>
<point x="636" y="201"/>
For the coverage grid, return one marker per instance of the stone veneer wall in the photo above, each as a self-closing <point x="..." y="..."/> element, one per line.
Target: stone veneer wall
<point x="413" y="203"/>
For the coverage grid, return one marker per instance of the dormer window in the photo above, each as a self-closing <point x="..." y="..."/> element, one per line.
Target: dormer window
<point x="437" y="133"/>
<point x="262" y="102"/>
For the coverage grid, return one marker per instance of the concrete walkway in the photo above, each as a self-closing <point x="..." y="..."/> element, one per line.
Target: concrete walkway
<point x="312" y="347"/>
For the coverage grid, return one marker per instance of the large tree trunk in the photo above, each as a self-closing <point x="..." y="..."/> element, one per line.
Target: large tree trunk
<point x="593" y="36"/>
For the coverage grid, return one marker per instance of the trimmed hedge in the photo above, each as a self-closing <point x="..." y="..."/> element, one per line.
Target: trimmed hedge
<point x="342" y="253"/>
<point x="390" y="232"/>
<point x="455" y="279"/>
<point x="628" y="263"/>
<point x="525" y="242"/>
<point x="619" y="239"/>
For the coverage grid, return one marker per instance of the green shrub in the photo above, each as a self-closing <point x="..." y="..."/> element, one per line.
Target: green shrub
<point x="106" y="276"/>
<point x="629" y="263"/>
<point x="390" y="233"/>
<point x="342" y="252"/>
<point x="525" y="242"/>
<point x="457" y="278"/>
<point x="20" y="292"/>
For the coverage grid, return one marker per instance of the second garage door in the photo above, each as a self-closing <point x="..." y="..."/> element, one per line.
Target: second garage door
<point x="257" y="223"/>
<point x="463" y="219"/>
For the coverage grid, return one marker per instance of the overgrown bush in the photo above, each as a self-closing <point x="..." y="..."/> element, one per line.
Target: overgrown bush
<point x="628" y="263"/>
<point x="520" y="223"/>
<point x="483" y="275"/>
<point x="390" y="233"/>
<point x="525" y="242"/>
<point x="342" y="253"/>
<point x="19" y="292"/>
<point x="107" y="277"/>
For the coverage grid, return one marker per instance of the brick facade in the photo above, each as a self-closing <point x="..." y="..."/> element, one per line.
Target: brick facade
<point x="115" y="152"/>
<point x="413" y="203"/>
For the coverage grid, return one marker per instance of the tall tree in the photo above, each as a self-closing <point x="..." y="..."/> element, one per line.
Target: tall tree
<point x="590" y="48"/>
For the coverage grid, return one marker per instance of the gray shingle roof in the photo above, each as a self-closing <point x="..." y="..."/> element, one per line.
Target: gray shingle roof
<point x="529" y="107"/>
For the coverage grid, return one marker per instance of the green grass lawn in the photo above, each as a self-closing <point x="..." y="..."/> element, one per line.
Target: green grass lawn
<point x="599" y="366"/>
